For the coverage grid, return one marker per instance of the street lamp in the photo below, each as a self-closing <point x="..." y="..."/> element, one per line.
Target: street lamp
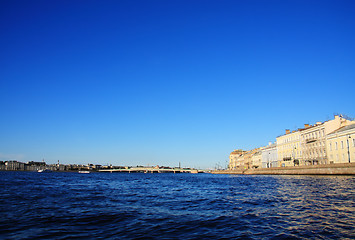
<point x="294" y="156"/>
<point x="347" y="140"/>
<point x="268" y="161"/>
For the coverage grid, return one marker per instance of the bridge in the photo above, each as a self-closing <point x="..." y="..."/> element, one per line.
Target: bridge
<point x="151" y="170"/>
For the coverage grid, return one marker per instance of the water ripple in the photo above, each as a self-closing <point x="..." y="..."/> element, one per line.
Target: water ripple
<point x="175" y="206"/>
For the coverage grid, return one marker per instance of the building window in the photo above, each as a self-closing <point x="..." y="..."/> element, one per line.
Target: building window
<point x="354" y="142"/>
<point x="336" y="145"/>
<point x="342" y="145"/>
<point x="330" y="146"/>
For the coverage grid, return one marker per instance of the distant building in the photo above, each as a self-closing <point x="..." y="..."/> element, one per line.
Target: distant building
<point x="256" y="159"/>
<point x="313" y="140"/>
<point x="14" y="166"/>
<point x="247" y="157"/>
<point x="340" y="145"/>
<point x="235" y="159"/>
<point x="269" y="156"/>
<point x="289" y="151"/>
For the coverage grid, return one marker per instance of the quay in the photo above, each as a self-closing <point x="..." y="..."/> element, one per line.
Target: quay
<point x="323" y="169"/>
<point x="151" y="170"/>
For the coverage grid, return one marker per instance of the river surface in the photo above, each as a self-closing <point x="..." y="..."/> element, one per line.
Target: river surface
<point x="62" y="205"/>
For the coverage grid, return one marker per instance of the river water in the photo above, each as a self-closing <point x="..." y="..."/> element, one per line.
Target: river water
<point x="175" y="206"/>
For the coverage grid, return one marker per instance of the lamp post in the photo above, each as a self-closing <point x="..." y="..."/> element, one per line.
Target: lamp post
<point x="294" y="157"/>
<point x="347" y="140"/>
<point x="268" y="161"/>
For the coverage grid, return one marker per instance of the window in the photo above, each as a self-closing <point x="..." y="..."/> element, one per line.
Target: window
<point x="354" y="142"/>
<point x="336" y="145"/>
<point x="342" y="145"/>
<point x="330" y="146"/>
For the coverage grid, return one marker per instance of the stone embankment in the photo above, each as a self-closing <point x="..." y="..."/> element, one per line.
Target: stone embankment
<point x="329" y="169"/>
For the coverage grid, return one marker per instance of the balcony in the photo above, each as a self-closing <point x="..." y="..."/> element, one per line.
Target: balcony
<point x="311" y="140"/>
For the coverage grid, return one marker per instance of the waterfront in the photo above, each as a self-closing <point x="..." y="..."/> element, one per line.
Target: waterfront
<point x="62" y="205"/>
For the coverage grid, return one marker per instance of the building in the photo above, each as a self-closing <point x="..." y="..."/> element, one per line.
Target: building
<point x="313" y="140"/>
<point x="241" y="160"/>
<point x="269" y="156"/>
<point x="256" y="159"/>
<point x="235" y="159"/>
<point x="14" y="166"/>
<point x="35" y="166"/>
<point x="340" y="145"/>
<point x="289" y="150"/>
<point x="247" y="158"/>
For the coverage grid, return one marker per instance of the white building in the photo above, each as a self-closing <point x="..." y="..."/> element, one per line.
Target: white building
<point x="269" y="156"/>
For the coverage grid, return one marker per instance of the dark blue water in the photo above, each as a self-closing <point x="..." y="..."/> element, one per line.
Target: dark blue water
<point x="175" y="206"/>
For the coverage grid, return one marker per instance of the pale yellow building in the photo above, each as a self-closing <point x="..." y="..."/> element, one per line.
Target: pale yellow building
<point x="289" y="151"/>
<point x="340" y="145"/>
<point x="241" y="160"/>
<point x="247" y="161"/>
<point x="313" y="140"/>
<point x="256" y="159"/>
<point x="235" y="159"/>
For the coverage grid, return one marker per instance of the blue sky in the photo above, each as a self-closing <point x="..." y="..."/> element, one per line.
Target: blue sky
<point x="163" y="82"/>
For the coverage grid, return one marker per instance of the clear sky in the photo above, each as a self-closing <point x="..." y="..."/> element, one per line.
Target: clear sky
<point x="162" y="82"/>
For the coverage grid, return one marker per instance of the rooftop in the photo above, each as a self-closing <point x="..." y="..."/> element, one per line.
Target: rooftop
<point x="345" y="128"/>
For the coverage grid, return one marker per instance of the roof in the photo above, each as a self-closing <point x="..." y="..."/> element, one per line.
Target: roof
<point x="345" y="128"/>
<point x="239" y="151"/>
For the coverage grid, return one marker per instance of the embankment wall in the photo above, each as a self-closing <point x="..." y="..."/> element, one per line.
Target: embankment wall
<point x="329" y="169"/>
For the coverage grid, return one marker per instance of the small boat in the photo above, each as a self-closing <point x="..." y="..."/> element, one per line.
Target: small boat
<point x="44" y="170"/>
<point x="84" y="172"/>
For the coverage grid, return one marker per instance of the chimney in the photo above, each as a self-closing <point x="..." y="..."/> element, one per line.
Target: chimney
<point x="306" y="125"/>
<point x="288" y="131"/>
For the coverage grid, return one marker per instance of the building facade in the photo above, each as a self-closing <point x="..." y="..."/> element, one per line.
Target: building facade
<point x="269" y="156"/>
<point x="235" y="159"/>
<point x="247" y="162"/>
<point x="340" y="145"/>
<point x="314" y="137"/>
<point x="256" y="159"/>
<point x="328" y="142"/>
<point x="289" y="150"/>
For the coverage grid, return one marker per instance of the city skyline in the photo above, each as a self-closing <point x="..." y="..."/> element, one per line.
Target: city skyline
<point x="158" y="83"/>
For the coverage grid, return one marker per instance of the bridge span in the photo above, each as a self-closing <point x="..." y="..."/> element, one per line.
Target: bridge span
<point x="151" y="170"/>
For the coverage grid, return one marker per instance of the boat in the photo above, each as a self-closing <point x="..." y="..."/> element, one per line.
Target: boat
<point x="84" y="172"/>
<point x="44" y="170"/>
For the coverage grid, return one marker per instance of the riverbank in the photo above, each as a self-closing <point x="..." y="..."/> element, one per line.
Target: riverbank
<point x="329" y="169"/>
